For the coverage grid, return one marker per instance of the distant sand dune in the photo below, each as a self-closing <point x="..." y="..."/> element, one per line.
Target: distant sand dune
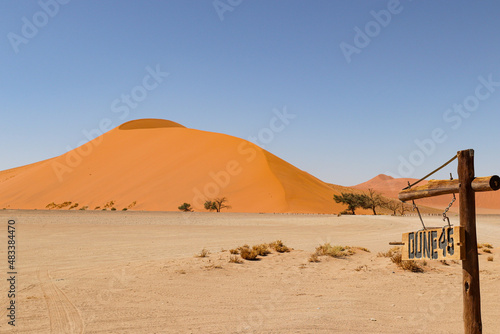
<point x="486" y="203"/>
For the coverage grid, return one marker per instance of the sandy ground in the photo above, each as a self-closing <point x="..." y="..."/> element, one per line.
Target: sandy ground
<point x="135" y="272"/>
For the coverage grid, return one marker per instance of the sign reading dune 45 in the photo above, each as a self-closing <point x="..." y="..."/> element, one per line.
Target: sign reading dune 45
<point x="447" y="243"/>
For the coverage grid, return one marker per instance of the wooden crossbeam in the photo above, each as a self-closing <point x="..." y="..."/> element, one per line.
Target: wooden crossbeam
<point x="444" y="187"/>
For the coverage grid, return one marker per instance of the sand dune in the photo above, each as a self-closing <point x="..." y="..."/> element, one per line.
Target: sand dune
<point x="486" y="203"/>
<point x="159" y="165"/>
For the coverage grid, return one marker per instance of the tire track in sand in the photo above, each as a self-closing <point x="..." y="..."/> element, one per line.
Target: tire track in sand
<point x="63" y="315"/>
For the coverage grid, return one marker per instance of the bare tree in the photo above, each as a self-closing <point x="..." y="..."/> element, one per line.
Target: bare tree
<point x="372" y="200"/>
<point x="217" y="204"/>
<point x="391" y="205"/>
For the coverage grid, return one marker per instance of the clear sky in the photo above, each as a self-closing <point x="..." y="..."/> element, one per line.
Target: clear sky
<point x="368" y="87"/>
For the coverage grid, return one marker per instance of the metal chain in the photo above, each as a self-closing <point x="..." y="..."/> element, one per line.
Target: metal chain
<point x="445" y="217"/>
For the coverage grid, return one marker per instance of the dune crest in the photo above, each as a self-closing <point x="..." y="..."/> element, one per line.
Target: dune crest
<point x="149" y="123"/>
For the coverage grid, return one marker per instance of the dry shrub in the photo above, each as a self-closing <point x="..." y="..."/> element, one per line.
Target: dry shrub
<point x="364" y="249"/>
<point x="213" y="266"/>
<point x="390" y="252"/>
<point x="490" y="258"/>
<point x="486" y="250"/>
<point x="51" y="206"/>
<point x="314" y="258"/>
<point x="203" y="253"/>
<point x="109" y="205"/>
<point x="485" y="245"/>
<point x="63" y="205"/>
<point x="279" y="247"/>
<point x="409" y="265"/>
<point x="97" y="208"/>
<point x="235" y="259"/>
<point x="73" y="206"/>
<point x="234" y="251"/>
<point x="262" y="249"/>
<point x="83" y="208"/>
<point x="334" y="251"/>
<point x="248" y="254"/>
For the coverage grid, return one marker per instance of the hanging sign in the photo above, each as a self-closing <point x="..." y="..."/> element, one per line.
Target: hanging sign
<point x="447" y="243"/>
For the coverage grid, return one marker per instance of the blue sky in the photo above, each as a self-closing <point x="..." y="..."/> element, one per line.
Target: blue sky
<point x="374" y="86"/>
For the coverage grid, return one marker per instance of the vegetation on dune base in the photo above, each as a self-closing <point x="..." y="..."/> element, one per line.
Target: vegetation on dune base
<point x="370" y="200"/>
<point x="185" y="207"/>
<point x="217" y="204"/>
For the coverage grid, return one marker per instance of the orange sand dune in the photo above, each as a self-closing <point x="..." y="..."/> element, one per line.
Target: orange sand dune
<point x="161" y="164"/>
<point x="486" y="202"/>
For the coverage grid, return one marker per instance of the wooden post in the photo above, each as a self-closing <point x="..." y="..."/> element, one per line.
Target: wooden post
<point x="470" y="266"/>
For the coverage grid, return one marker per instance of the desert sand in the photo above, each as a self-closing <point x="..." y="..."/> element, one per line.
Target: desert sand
<point x="136" y="272"/>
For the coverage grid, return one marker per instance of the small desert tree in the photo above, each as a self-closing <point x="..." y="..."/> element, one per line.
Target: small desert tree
<point x="186" y="207"/>
<point x="217" y="204"/>
<point x="403" y="208"/>
<point x="372" y="200"/>
<point x="391" y="205"/>
<point x="353" y="201"/>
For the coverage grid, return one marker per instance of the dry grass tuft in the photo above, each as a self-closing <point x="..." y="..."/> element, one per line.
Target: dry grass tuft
<point x="235" y="259"/>
<point x="279" y="247"/>
<point x="314" y="258"/>
<point x="490" y="258"/>
<point x="409" y="265"/>
<point x="334" y="251"/>
<point x="262" y="249"/>
<point x="248" y="254"/>
<point x="486" y="250"/>
<point x="485" y="245"/>
<point x="390" y="252"/>
<point x="234" y="251"/>
<point x="203" y="253"/>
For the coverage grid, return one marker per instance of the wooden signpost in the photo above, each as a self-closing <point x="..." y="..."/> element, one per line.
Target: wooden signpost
<point x="445" y="243"/>
<point x="454" y="242"/>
